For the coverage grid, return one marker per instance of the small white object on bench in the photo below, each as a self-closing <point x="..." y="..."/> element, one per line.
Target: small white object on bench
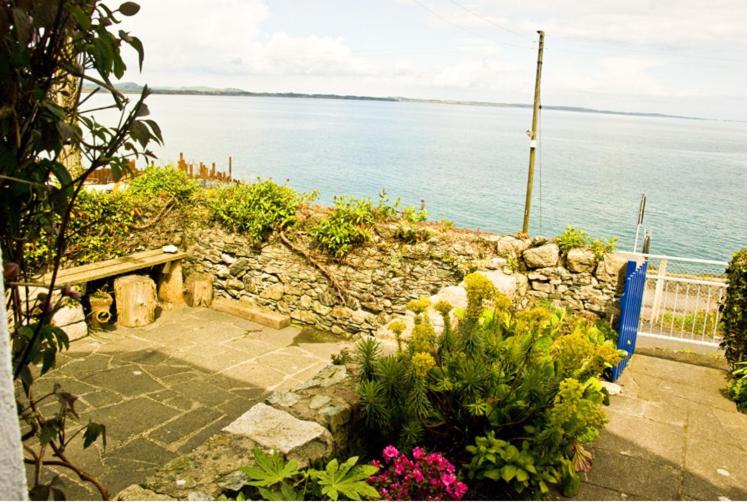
<point x="169" y="248"/>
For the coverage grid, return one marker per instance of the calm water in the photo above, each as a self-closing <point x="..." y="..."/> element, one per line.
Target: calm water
<point x="469" y="163"/>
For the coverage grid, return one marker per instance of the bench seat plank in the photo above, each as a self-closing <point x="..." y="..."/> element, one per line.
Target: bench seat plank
<point x="116" y="266"/>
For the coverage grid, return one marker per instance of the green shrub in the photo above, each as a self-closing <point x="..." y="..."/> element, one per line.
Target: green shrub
<point x="578" y="238"/>
<point x="524" y="382"/>
<point x="256" y="209"/>
<point x="412" y="215"/>
<point x="347" y="226"/>
<point x="738" y="385"/>
<point x="734" y="314"/>
<point x="99" y="223"/>
<point x="572" y="238"/>
<point x="600" y="248"/>
<point x="692" y="321"/>
<point x="164" y="181"/>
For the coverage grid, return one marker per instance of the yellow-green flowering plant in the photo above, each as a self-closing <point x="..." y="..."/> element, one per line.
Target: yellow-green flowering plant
<point x="497" y="379"/>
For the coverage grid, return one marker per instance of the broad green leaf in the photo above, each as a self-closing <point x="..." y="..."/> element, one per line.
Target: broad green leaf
<point x="509" y="472"/>
<point x="270" y="470"/>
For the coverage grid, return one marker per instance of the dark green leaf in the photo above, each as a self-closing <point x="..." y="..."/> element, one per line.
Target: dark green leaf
<point x="129" y="8"/>
<point x="92" y="433"/>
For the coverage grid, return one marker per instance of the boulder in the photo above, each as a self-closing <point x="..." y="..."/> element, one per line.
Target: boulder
<point x="581" y="260"/>
<point x="509" y="246"/>
<point x="546" y="255"/>
<point x="455" y="295"/>
<point x="503" y="282"/>
<point x="304" y="441"/>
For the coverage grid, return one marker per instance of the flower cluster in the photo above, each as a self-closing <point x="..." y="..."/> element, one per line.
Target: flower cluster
<point x="422" y="362"/>
<point x="422" y="477"/>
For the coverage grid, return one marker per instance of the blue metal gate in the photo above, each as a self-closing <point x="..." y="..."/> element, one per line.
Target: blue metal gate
<point x="630" y="312"/>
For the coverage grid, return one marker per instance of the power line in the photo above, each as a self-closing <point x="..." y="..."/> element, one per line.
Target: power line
<point x="486" y="19"/>
<point x="590" y="49"/>
<point x="469" y="32"/>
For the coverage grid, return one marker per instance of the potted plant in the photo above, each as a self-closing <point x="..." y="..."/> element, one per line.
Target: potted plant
<point x="101" y="302"/>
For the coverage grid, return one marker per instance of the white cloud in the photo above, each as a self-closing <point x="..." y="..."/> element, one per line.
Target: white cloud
<point x="595" y="50"/>
<point x="666" y="23"/>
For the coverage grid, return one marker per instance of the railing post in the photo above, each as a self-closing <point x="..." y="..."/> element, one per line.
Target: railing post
<point x="658" y="291"/>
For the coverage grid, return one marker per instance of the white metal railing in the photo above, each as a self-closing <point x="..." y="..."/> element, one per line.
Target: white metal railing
<point x="682" y="298"/>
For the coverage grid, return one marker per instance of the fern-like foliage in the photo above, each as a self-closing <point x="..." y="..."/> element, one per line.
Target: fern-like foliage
<point x="367" y="352"/>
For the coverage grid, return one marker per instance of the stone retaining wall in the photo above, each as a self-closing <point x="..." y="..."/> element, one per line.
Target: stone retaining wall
<point x="384" y="275"/>
<point x="309" y="424"/>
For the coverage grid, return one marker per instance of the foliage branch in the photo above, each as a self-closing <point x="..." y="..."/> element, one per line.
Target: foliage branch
<point x="47" y="50"/>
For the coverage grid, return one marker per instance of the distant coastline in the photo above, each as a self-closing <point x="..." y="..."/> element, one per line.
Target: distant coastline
<point x="133" y="88"/>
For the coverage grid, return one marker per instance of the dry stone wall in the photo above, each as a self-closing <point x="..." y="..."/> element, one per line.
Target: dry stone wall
<point x="384" y="275"/>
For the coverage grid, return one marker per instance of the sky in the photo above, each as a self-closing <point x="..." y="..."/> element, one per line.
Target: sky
<point x="682" y="57"/>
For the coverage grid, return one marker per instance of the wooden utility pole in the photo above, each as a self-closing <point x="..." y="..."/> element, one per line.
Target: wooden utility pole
<point x="533" y="133"/>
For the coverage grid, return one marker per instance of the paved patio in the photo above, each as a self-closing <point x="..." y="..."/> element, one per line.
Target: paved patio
<point x="163" y="389"/>
<point x="672" y="435"/>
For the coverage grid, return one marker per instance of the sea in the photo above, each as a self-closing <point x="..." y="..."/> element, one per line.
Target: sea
<point x="468" y="163"/>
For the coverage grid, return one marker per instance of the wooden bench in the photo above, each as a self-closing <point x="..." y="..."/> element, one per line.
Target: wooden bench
<point x="117" y="266"/>
<point x="170" y="287"/>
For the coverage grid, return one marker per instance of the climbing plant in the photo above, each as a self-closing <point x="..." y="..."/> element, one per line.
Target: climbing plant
<point x="47" y="50"/>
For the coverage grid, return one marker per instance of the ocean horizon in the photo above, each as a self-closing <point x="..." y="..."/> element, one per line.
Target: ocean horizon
<point x="468" y="163"/>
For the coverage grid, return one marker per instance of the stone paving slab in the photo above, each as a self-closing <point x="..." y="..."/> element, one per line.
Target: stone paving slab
<point x="164" y="389"/>
<point x="672" y="435"/>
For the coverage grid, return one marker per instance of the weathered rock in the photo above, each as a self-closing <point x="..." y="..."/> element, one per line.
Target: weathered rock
<point x="509" y="246"/>
<point x="581" y="260"/>
<point x="274" y="292"/>
<point x="72" y="320"/>
<point x="240" y="267"/>
<point x="504" y="283"/>
<point x="318" y="401"/>
<point x="546" y="255"/>
<point x="455" y="295"/>
<point x="302" y="440"/>
<point x="544" y="287"/>
<point x="495" y="263"/>
<point x="137" y="492"/>
<point x="227" y="258"/>
<point x="199" y="470"/>
<point x="611" y="269"/>
<point x="234" y="284"/>
<point x="335" y="416"/>
<point x="522" y="284"/>
<point x="327" y="376"/>
<point x="283" y="399"/>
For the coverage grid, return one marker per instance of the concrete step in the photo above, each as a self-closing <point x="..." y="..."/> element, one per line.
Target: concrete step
<point x="252" y="312"/>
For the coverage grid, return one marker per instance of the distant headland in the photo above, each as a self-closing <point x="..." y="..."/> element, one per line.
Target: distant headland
<point x="133" y="88"/>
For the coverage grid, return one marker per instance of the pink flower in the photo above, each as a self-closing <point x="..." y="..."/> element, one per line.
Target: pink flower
<point x="459" y="490"/>
<point x="390" y="452"/>
<point x="448" y="479"/>
<point x="418" y="453"/>
<point x="417" y="476"/>
<point x="376" y="464"/>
